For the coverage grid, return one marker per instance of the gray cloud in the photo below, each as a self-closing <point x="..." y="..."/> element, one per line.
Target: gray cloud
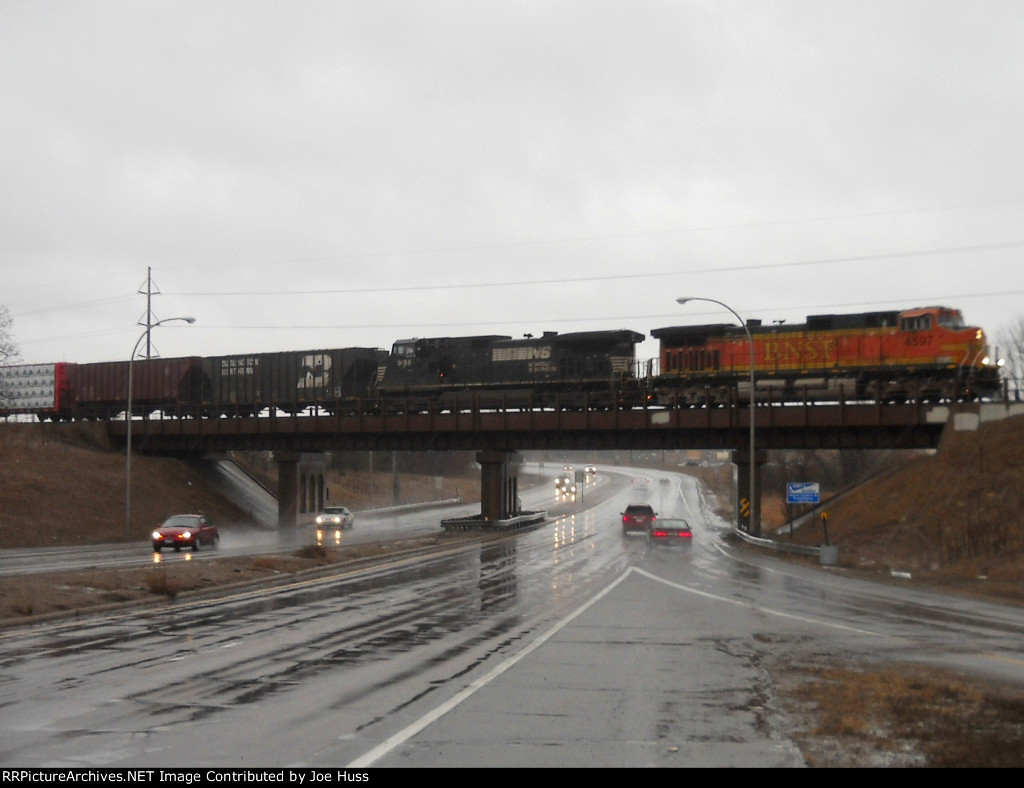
<point x="616" y="155"/>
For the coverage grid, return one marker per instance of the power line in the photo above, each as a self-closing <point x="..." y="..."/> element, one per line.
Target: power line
<point x="612" y="277"/>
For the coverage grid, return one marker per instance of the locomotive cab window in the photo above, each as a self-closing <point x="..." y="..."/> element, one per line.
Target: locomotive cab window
<point x="405" y="348"/>
<point x="919" y="323"/>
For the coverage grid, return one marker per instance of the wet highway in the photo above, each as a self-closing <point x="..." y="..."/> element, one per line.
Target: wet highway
<point x="567" y="645"/>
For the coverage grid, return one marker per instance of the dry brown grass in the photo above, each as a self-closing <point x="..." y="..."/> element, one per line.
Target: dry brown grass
<point x="952" y="519"/>
<point x="903" y="715"/>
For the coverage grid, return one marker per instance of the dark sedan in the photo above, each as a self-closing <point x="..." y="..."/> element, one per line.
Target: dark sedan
<point x="186" y="530"/>
<point x="671" y="530"/>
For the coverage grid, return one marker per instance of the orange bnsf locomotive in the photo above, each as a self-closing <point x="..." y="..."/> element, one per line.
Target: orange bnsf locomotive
<point x="925" y="354"/>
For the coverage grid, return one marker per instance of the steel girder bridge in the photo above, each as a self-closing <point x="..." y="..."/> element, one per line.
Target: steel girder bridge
<point x="497" y="435"/>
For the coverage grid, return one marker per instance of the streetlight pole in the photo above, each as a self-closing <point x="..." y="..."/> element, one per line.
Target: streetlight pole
<point x="128" y="425"/>
<point x="750" y="342"/>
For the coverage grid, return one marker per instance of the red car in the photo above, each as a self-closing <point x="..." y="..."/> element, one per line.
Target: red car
<point x="638" y="517"/>
<point x="186" y="530"/>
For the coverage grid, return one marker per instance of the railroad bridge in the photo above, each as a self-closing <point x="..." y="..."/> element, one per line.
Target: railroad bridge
<point x="496" y="435"/>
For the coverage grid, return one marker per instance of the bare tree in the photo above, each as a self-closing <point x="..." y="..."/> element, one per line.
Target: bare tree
<point x="1011" y="350"/>
<point x="8" y="350"/>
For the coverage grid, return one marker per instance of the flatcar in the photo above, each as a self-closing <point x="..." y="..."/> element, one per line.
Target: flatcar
<point x="922" y="354"/>
<point x="588" y="369"/>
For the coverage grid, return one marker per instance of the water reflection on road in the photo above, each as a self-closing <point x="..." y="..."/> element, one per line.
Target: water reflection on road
<point x="324" y="670"/>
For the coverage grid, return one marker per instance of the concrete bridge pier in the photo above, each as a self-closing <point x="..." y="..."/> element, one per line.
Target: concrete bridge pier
<point x="498" y="489"/>
<point x="301" y="489"/>
<point x="748" y="518"/>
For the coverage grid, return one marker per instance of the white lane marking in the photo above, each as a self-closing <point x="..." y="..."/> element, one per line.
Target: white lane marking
<point x="409" y="731"/>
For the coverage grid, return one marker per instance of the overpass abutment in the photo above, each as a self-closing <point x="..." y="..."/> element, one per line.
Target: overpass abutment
<point x="301" y="486"/>
<point x="748" y="516"/>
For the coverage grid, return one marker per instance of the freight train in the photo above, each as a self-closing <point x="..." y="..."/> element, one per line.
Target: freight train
<point x="916" y="354"/>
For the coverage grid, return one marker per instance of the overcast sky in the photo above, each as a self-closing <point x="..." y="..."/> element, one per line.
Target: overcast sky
<point x="302" y="175"/>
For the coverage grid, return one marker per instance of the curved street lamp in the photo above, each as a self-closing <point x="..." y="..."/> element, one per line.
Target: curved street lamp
<point x="128" y="424"/>
<point x="750" y="342"/>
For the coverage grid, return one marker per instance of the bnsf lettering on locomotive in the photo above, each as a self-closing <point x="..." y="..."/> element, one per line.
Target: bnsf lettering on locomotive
<point x="799" y="350"/>
<point x="315" y="371"/>
<point x="541" y="352"/>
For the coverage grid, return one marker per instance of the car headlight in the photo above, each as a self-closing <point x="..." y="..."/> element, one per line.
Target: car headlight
<point x="156" y="535"/>
<point x="319" y="520"/>
<point x="186" y="535"/>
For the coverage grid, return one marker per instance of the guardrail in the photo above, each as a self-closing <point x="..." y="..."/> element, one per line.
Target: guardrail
<point x="828" y="554"/>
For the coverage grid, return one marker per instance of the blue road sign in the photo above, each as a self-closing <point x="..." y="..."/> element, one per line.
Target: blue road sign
<point x="802" y="492"/>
